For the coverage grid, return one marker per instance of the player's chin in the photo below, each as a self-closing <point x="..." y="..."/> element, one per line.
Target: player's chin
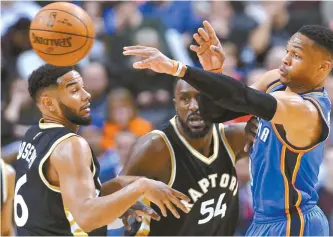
<point x="284" y="80"/>
<point x="86" y="120"/>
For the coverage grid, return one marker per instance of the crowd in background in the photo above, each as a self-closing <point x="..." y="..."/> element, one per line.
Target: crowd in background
<point x="127" y="103"/>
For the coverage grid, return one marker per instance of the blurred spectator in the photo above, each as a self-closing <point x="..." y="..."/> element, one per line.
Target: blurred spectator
<point x="95" y="80"/>
<point x="122" y="116"/>
<point x="13" y="11"/>
<point x="231" y="60"/>
<point x="326" y="8"/>
<point x="113" y="160"/>
<point x="255" y="75"/>
<point x="274" y="57"/>
<point x="93" y="135"/>
<point x="174" y="15"/>
<point x="17" y="116"/>
<point x="273" y="18"/>
<point x="20" y="112"/>
<point x="122" y="22"/>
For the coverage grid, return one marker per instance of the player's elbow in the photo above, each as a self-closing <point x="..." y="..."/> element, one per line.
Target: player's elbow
<point x="86" y="224"/>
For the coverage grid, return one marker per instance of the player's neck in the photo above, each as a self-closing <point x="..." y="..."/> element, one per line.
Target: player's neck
<point x="203" y="145"/>
<point x="302" y="90"/>
<point x="66" y="123"/>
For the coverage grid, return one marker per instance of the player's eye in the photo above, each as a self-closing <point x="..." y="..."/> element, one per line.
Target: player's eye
<point x="186" y="99"/>
<point x="296" y="55"/>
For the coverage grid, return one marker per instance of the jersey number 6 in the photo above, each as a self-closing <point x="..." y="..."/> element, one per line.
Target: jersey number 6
<point x="18" y="200"/>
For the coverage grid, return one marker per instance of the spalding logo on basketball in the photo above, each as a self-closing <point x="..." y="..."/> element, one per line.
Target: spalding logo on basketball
<point x="62" y="33"/>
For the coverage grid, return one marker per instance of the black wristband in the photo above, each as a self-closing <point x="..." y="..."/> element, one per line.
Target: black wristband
<point x="231" y="94"/>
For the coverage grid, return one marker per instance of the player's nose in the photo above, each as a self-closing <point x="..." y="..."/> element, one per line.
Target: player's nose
<point x="86" y="95"/>
<point x="194" y="105"/>
<point x="286" y="60"/>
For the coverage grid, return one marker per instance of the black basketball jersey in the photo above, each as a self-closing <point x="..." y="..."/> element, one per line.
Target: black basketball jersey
<point x="38" y="205"/>
<point x="210" y="182"/>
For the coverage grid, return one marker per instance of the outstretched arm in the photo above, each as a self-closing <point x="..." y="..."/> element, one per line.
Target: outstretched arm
<point x="283" y="107"/>
<point x="71" y="160"/>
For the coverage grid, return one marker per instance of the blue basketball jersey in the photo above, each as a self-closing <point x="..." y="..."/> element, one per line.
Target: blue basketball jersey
<point x="283" y="177"/>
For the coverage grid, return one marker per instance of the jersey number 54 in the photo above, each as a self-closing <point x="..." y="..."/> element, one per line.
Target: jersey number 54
<point x="207" y="207"/>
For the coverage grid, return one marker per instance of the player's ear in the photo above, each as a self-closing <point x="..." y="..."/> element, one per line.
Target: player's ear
<point x="47" y="102"/>
<point x="326" y="66"/>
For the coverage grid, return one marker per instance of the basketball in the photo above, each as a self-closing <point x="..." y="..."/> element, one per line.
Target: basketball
<point x="62" y="34"/>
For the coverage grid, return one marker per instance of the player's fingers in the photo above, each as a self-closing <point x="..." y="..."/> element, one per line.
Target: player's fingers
<point x="210" y="30"/>
<point x="144" y="64"/>
<point x="162" y="208"/>
<point x="139" y="52"/>
<point x="178" y="203"/>
<point x="173" y="210"/>
<point x="150" y="212"/>
<point x="125" y="222"/>
<point x="138" y="217"/>
<point x="195" y="48"/>
<point x="180" y="195"/>
<point x="203" y="34"/>
<point x="198" y="39"/>
<point x="135" y="47"/>
<point x="217" y="51"/>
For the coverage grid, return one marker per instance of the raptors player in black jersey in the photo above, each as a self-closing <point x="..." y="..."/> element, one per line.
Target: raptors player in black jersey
<point x="57" y="187"/>
<point x="197" y="158"/>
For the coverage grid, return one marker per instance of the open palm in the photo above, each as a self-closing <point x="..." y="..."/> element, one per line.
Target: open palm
<point x="209" y="49"/>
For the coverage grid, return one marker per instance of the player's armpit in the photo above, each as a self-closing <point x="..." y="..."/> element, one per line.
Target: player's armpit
<point x="7" y="228"/>
<point x="150" y="149"/>
<point x="238" y="137"/>
<point x="300" y="118"/>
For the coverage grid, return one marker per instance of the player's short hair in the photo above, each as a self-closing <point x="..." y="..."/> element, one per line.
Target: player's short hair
<point x="321" y="35"/>
<point x="45" y="76"/>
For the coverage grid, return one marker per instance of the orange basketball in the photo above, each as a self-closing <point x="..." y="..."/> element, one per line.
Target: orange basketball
<point x="62" y="33"/>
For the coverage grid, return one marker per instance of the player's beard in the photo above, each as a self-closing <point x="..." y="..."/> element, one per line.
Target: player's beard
<point x="195" y="134"/>
<point x="73" y="117"/>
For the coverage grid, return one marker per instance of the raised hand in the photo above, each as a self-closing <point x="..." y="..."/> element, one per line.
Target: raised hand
<point x="153" y="59"/>
<point x="209" y="49"/>
<point x="164" y="197"/>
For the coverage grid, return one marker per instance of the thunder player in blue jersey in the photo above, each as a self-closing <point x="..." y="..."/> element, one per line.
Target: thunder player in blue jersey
<point x="293" y="108"/>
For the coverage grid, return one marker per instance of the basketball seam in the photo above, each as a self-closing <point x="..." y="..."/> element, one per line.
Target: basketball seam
<point x="60" y="32"/>
<point x="86" y="36"/>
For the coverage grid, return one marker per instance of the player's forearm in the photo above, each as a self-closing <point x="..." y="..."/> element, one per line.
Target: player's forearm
<point x="98" y="212"/>
<point x="214" y="112"/>
<point x="231" y="94"/>
<point x="118" y="183"/>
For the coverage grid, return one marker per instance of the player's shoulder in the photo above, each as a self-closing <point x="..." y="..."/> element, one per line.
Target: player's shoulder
<point x="71" y="147"/>
<point x="153" y="142"/>
<point x="266" y="80"/>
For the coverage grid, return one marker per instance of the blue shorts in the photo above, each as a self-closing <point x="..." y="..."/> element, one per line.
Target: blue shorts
<point x="315" y="224"/>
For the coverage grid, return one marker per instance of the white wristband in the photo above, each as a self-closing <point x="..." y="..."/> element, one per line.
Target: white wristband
<point x="179" y="69"/>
